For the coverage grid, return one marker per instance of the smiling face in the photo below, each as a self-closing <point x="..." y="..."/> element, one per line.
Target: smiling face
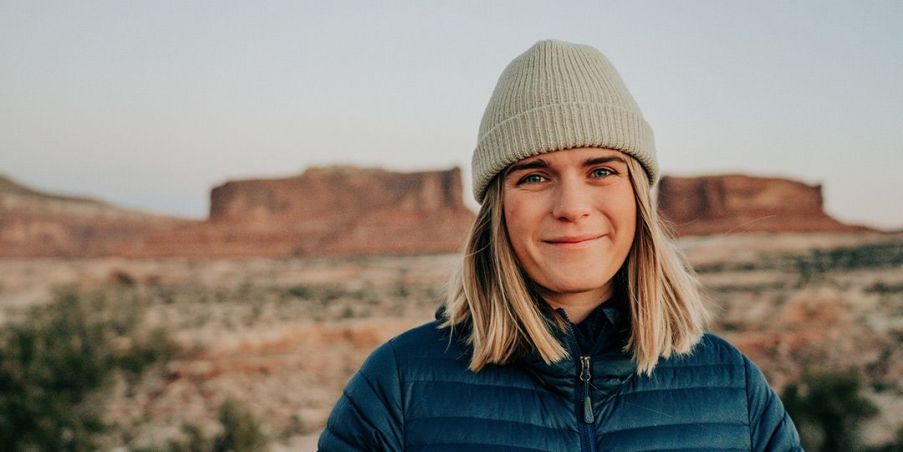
<point x="570" y="217"/>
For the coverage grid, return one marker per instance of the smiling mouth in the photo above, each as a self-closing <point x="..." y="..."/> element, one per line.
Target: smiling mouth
<point x="576" y="240"/>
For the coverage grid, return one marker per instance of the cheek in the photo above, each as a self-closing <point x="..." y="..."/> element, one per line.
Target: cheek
<point x="513" y="226"/>
<point x="629" y="219"/>
<point x="626" y="203"/>
<point x="519" y="226"/>
<point x="621" y="212"/>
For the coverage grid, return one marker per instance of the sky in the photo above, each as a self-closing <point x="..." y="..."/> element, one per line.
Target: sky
<point x="148" y="105"/>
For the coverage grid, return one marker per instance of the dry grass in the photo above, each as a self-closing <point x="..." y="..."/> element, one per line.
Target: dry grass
<point x="283" y="336"/>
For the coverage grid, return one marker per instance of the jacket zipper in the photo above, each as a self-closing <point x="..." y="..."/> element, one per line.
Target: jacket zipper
<point x="588" y="418"/>
<point x="585" y="376"/>
<point x="587" y="433"/>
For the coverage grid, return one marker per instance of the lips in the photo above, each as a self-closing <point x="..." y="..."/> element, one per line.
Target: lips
<point x="572" y="240"/>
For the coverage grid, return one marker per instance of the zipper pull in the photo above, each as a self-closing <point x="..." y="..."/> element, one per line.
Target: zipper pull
<point x="585" y="376"/>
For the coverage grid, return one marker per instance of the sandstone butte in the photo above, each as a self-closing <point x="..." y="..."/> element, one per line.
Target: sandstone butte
<point x="732" y="203"/>
<point x="348" y="211"/>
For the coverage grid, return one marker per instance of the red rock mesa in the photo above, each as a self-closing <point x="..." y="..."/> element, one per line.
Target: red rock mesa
<point x="325" y="211"/>
<point x="736" y="203"/>
<point x="359" y="211"/>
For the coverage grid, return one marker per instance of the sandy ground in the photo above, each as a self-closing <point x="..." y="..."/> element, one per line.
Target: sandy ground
<point x="283" y="336"/>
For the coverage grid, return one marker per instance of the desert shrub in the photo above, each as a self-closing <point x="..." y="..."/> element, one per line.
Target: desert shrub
<point x="827" y="409"/>
<point x="812" y="264"/>
<point x="194" y="441"/>
<point x="330" y="293"/>
<point x="122" y="277"/>
<point x="346" y="313"/>
<point x="884" y="288"/>
<point x="755" y="289"/>
<point x="896" y="445"/>
<point x="54" y="363"/>
<point x="401" y="290"/>
<point x="241" y="431"/>
<point x="300" y="291"/>
<point x="874" y="255"/>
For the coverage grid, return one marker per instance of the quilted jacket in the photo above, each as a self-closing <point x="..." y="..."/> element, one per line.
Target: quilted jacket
<point x="415" y="393"/>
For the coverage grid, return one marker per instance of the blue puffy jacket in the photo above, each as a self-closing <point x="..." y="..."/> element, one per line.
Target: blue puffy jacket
<point x="415" y="393"/>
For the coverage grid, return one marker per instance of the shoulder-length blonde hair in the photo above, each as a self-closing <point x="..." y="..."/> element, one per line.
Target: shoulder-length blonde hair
<point x="491" y="292"/>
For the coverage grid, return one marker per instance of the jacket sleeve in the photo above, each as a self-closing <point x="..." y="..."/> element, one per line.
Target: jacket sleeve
<point x="368" y="415"/>
<point x="771" y="428"/>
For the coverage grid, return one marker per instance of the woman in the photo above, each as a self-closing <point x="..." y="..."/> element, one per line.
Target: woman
<point x="574" y="323"/>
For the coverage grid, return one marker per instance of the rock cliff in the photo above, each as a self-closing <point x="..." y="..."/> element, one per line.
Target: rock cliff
<point x="359" y="211"/>
<point x="735" y="203"/>
<point x="37" y="224"/>
<point x="326" y="211"/>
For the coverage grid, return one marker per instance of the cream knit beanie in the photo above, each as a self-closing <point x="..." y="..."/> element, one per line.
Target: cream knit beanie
<point x="558" y="95"/>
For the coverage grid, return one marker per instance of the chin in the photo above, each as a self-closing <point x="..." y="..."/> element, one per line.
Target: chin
<point x="574" y="285"/>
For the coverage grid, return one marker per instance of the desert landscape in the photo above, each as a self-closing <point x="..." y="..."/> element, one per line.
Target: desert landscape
<point x="279" y="331"/>
<point x="211" y="213"/>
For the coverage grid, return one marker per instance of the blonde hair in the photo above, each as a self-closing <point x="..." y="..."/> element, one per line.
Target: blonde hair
<point x="491" y="293"/>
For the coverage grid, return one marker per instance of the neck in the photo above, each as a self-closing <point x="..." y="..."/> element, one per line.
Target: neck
<point x="577" y="305"/>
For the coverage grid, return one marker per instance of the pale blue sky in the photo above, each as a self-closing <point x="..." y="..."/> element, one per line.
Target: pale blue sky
<point x="150" y="104"/>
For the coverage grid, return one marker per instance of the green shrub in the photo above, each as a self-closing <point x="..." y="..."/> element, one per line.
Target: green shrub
<point x="884" y="288"/>
<point x="241" y="431"/>
<point x="896" y="445"/>
<point x="300" y="291"/>
<point x="193" y="441"/>
<point x="54" y="362"/>
<point x="827" y="409"/>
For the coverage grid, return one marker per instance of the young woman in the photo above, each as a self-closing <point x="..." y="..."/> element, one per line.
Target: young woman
<point x="574" y="323"/>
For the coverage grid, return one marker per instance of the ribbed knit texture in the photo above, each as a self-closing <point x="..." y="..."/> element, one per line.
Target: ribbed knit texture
<point x="559" y="95"/>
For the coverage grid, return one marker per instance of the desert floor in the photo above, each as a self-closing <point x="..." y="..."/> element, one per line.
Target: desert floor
<point x="284" y="336"/>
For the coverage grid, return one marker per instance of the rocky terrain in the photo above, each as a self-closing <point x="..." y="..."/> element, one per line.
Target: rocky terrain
<point x="324" y="211"/>
<point x="284" y="335"/>
<point x="734" y="203"/>
<point x="34" y="224"/>
<point x="348" y="211"/>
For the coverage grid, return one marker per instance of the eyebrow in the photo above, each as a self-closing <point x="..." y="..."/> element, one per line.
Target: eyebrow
<point x="534" y="164"/>
<point x="540" y="163"/>
<point x="598" y="160"/>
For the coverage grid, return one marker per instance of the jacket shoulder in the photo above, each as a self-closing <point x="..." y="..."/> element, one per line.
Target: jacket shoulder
<point x="717" y="374"/>
<point x="428" y="331"/>
<point x="428" y="343"/>
<point x="370" y="413"/>
<point x="713" y="349"/>
<point x="713" y="363"/>
<point x="421" y="339"/>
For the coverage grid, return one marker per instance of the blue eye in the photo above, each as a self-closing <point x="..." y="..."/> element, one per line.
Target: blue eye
<point x="602" y="172"/>
<point x="531" y="179"/>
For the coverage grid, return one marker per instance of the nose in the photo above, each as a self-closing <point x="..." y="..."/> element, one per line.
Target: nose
<point x="572" y="201"/>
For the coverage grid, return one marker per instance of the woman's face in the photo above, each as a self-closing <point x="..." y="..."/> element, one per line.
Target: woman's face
<point x="571" y="218"/>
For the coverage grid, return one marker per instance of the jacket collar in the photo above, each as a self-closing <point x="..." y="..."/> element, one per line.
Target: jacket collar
<point x="611" y="366"/>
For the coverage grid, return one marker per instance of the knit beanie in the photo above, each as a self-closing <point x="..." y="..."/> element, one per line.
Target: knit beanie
<point x="559" y="95"/>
